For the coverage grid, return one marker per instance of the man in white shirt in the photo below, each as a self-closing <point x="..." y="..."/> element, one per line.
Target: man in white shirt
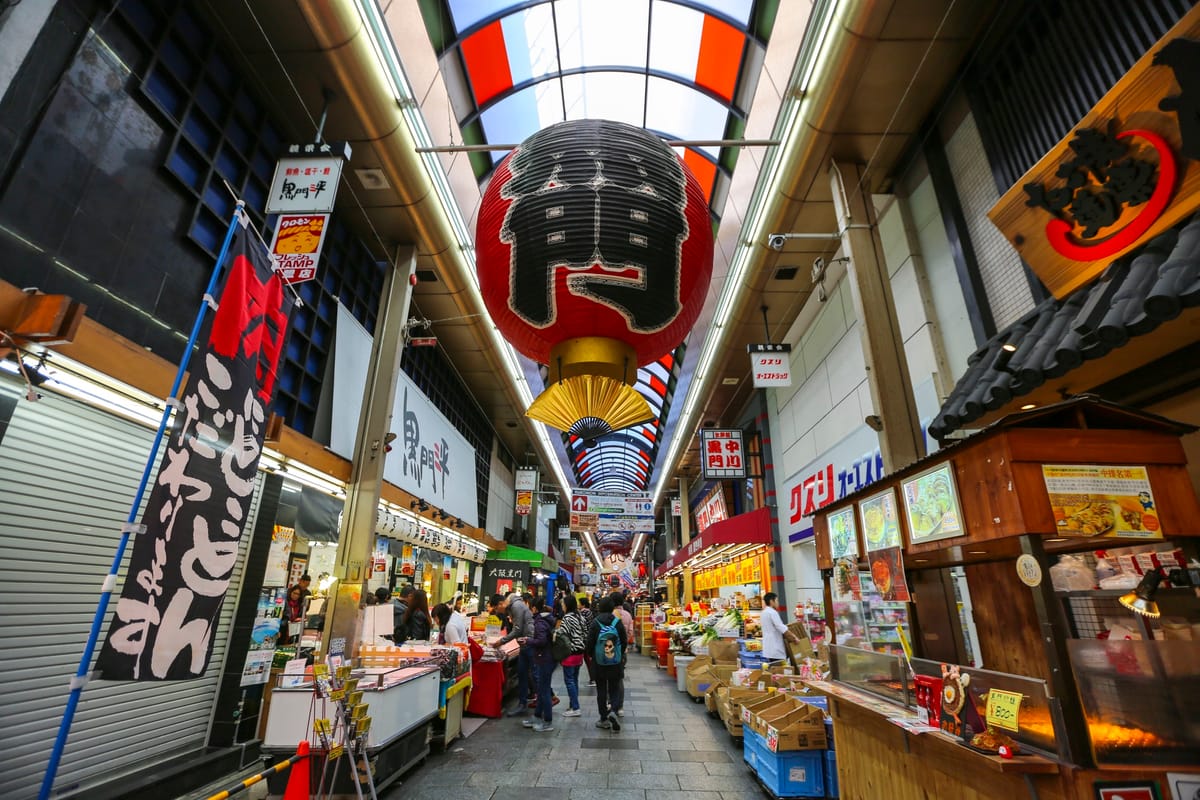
<point x="773" y="629"/>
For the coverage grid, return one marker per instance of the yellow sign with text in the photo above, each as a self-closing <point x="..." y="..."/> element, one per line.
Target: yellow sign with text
<point x="1004" y="709"/>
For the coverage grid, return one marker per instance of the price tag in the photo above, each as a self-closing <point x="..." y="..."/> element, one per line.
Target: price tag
<point x="772" y="739"/>
<point x="1003" y="709"/>
<point x="350" y="685"/>
<point x="321" y="726"/>
<point x="343" y="672"/>
<point x="745" y="715"/>
<point x="337" y="751"/>
<point x="358" y="712"/>
<point x="353" y="698"/>
<point x="362" y="726"/>
<point x="762" y="686"/>
<point x="337" y="695"/>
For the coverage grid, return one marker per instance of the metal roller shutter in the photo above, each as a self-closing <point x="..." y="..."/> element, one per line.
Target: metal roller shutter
<point x="67" y="474"/>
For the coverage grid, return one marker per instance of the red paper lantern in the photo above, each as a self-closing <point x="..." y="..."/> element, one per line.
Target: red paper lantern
<point x="594" y="228"/>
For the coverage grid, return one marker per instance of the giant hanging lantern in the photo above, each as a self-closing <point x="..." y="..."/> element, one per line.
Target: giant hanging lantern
<point x="594" y="249"/>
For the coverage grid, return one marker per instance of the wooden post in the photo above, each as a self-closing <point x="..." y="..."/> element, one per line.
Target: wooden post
<point x="900" y="439"/>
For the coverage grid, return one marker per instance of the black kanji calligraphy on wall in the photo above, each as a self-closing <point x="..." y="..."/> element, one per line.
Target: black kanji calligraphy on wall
<point x="583" y="196"/>
<point x="1183" y="57"/>
<point x="1099" y="181"/>
<point x="180" y="568"/>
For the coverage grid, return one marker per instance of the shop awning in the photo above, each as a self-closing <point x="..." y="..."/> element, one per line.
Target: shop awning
<point x="752" y="528"/>
<point x="514" y="553"/>
<point x="1147" y="289"/>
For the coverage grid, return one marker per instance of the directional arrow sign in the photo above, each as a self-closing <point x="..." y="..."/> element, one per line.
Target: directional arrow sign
<point x="579" y="502"/>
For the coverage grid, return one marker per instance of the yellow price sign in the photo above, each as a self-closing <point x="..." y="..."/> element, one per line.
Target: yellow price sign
<point x="1004" y="709"/>
<point x="337" y="695"/>
<point x="337" y="751"/>
<point x="320" y="670"/>
<point x="343" y="672"/>
<point x="321" y="726"/>
<point x="350" y="685"/>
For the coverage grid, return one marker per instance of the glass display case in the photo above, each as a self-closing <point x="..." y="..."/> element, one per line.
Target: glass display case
<point x="882" y="619"/>
<point x="1141" y="700"/>
<point x="881" y="674"/>
<point x="1038" y="710"/>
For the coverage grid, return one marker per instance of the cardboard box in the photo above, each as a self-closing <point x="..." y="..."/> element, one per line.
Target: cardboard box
<point x="735" y="730"/>
<point x="736" y="697"/>
<point x="754" y="714"/>
<point x="798" y="651"/>
<point x="723" y="652"/>
<point x="710" y="699"/>
<point x="801" y="729"/>
<point x="722" y="674"/>
<point x="697" y="677"/>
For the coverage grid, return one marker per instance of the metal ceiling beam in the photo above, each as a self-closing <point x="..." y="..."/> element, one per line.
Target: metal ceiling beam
<point x="488" y="148"/>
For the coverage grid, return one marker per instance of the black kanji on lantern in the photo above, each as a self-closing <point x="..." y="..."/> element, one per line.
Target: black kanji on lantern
<point x="1183" y="57"/>
<point x="1100" y="181"/>
<point x="596" y="196"/>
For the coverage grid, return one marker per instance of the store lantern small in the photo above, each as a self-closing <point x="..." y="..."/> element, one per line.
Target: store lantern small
<point x="594" y="247"/>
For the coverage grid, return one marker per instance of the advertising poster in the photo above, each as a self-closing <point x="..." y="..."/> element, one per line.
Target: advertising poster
<point x="263" y="636"/>
<point x="447" y="566"/>
<point x="408" y="565"/>
<point x="1102" y="501"/>
<point x="296" y="248"/>
<point x="296" y="568"/>
<point x="887" y="571"/>
<point x="278" y="555"/>
<point x="843" y="534"/>
<point x="846" y="585"/>
<point x="931" y="502"/>
<point x="880" y="523"/>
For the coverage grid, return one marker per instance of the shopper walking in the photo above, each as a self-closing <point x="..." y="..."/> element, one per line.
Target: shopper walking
<point x="576" y="628"/>
<point x="606" y="643"/>
<point x="541" y="644"/>
<point x="618" y="599"/>
<point x="585" y="611"/>
<point x="522" y="629"/>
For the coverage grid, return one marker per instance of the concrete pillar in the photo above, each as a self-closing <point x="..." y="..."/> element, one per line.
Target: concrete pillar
<point x="356" y="539"/>
<point x="900" y="437"/>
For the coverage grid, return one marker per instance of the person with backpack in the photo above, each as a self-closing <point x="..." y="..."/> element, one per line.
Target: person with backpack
<point x="618" y="601"/>
<point x="606" y="643"/>
<point x="542" y="645"/>
<point x="585" y="611"/>
<point x="572" y="630"/>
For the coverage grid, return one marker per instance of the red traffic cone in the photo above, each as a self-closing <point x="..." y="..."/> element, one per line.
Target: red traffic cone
<point x="298" y="783"/>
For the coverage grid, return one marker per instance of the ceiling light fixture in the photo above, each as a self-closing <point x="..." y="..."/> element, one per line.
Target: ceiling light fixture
<point x="1028" y="406"/>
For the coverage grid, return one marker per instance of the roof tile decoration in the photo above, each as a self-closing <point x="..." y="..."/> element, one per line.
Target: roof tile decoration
<point x="1134" y="296"/>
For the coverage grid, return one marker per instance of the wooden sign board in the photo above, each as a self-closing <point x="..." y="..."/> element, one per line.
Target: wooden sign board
<point x="1127" y="172"/>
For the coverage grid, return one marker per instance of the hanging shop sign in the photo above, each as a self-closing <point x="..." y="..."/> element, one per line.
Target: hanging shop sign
<point x="1127" y="172"/>
<point x="724" y="456"/>
<point x="711" y="510"/>
<point x="770" y="365"/>
<point x="1102" y="501"/>
<point x="503" y="577"/>
<point x="410" y="530"/>
<point x="526" y="484"/>
<point x="306" y="179"/>
<point x="296" y="246"/>
<point x="181" y="564"/>
<point x="614" y="519"/>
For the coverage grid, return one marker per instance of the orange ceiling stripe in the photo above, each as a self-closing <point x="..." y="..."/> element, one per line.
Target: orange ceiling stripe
<point x="704" y="170"/>
<point x="487" y="62"/>
<point x="720" y="58"/>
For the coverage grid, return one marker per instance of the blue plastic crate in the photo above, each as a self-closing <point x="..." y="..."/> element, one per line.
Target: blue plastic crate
<point x="816" y="700"/>
<point x="751" y="660"/>
<point x="753" y="746"/>
<point x="794" y="773"/>
<point x="831" y="782"/>
<point x="829" y="733"/>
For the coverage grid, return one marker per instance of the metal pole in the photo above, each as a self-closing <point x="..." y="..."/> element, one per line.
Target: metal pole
<point x="488" y="148"/>
<point x="110" y="582"/>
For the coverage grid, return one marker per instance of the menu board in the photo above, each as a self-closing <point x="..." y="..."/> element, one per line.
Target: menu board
<point x="880" y="523"/>
<point x="1102" y="501"/>
<point x="931" y="502"/>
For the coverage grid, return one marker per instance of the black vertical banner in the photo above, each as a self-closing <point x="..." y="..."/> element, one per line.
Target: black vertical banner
<point x="165" y="620"/>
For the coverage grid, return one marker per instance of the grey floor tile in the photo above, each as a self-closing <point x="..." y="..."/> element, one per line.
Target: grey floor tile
<point x="725" y="768"/>
<point x="670" y="795"/>
<point x="700" y="756"/>
<point x="721" y="783"/>
<point x="493" y="779"/>
<point x="595" y="780"/>
<point x="601" y="761"/>
<point x="614" y="743"/>
<point x="608" y="794"/>
<point x="621" y="781"/>
<point x="663" y="767"/>
<point x="404" y="791"/>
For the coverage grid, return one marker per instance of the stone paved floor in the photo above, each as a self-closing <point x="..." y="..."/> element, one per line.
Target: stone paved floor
<point x="668" y="749"/>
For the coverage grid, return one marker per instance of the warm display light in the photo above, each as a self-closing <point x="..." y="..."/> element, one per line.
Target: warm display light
<point x="1141" y="599"/>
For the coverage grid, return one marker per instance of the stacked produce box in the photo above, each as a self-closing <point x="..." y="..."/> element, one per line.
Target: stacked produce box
<point x="788" y="742"/>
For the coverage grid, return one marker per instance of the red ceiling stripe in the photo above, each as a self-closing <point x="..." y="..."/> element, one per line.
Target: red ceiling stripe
<point x="487" y="62"/>
<point x="720" y="57"/>
<point x="704" y="170"/>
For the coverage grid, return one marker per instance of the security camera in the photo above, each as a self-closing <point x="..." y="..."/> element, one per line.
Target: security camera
<point x="776" y="241"/>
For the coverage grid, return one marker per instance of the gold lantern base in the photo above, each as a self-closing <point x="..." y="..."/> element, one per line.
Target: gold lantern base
<point x="592" y="379"/>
